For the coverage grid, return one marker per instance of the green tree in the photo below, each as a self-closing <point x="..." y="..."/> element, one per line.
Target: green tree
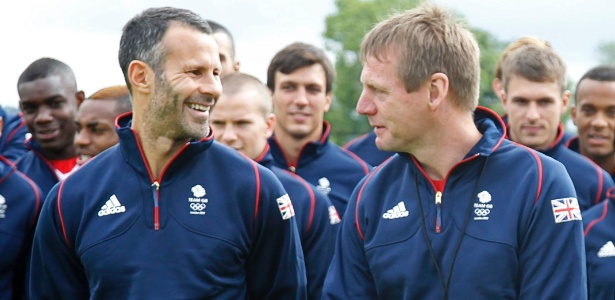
<point x="343" y="35"/>
<point x="606" y="51"/>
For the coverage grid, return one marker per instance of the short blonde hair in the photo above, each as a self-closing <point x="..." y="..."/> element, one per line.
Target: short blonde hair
<point x="428" y="40"/>
<point x="534" y="63"/>
<point x="518" y="43"/>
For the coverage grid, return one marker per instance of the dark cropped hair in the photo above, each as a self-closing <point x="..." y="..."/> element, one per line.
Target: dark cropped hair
<point x="47" y="67"/>
<point x="142" y="36"/>
<point x="217" y="27"/>
<point x="296" y="56"/>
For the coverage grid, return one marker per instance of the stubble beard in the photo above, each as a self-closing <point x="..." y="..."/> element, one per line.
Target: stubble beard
<point x="166" y="117"/>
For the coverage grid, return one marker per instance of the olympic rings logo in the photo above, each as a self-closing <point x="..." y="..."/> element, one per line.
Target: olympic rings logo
<point x="197" y="206"/>
<point x="482" y="212"/>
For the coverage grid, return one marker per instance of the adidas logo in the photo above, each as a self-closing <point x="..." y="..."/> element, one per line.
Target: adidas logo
<point x="113" y="206"/>
<point x="608" y="250"/>
<point x="398" y="211"/>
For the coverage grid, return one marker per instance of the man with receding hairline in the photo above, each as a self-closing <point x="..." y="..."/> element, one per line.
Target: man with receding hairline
<point x="168" y="213"/>
<point x="459" y="212"/>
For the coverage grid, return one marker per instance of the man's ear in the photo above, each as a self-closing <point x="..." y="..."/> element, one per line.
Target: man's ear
<point x="573" y="114"/>
<point x="438" y="89"/>
<point x="80" y="97"/>
<point x="236" y="66"/>
<point x="270" y="120"/>
<point x="328" y="101"/>
<point x="566" y="100"/>
<point x="140" y="76"/>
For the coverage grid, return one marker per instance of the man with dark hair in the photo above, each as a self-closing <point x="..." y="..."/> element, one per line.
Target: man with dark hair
<point x="226" y="48"/>
<point x="168" y="213"/>
<point x="49" y="99"/>
<point x="20" y="201"/>
<point x="594" y="116"/>
<point x="242" y="119"/>
<point x="301" y="77"/>
<point x="534" y="96"/>
<point x="95" y="121"/>
<point x="459" y="212"/>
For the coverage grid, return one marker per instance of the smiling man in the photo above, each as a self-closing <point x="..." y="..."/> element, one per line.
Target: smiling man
<point x="95" y="121"/>
<point x="301" y="77"/>
<point x="168" y="213"/>
<point x="535" y="98"/>
<point x="594" y="116"/>
<point x="49" y="99"/>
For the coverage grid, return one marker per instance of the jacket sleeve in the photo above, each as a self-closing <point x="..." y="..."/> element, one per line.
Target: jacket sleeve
<point x="349" y="276"/>
<point x="55" y="269"/>
<point x="552" y="251"/>
<point x="319" y="243"/>
<point x="14" y="137"/>
<point x="275" y="269"/>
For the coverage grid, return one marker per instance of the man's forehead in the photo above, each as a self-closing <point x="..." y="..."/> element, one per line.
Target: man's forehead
<point x="43" y="87"/>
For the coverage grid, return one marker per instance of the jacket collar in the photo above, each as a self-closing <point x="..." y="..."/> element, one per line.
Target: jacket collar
<point x="132" y="151"/>
<point x="308" y="153"/>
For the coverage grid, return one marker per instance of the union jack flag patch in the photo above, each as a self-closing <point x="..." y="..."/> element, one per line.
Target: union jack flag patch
<point x="286" y="207"/>
<point x="566" y="209"/>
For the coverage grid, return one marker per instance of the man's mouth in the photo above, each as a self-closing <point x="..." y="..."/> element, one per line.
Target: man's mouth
<point x="199" y="107"/>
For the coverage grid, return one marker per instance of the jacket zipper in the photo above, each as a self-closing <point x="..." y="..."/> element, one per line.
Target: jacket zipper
<point x="438" y="211"/>
<point x="155" y="191"/>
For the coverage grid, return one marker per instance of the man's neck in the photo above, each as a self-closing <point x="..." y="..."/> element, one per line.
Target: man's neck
<point x="446" y="147"/>
<point x="158" y="151"/>
<point x="292" y="146"/>
<point x="66" y="153"/>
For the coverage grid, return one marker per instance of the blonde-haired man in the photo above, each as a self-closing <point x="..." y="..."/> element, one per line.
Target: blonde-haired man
<point x="438" y="220"/>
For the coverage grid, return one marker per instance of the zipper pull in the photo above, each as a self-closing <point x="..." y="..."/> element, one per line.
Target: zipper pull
<point x="155" y="189"/>
<point x="438" y="211"/>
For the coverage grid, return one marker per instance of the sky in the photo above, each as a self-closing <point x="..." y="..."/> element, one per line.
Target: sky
<point x="85" y="34"/>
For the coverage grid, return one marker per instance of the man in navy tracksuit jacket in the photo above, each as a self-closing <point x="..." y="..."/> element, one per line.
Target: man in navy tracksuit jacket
<point x="364" y="147"/>
<point x="201" y="230"/>
<point x="599" y="222"/>
<point x="13" y="136"/>
<point x="592" y="114"/>
<point x="506" y="253"/>
<point x="168" y="213"/>
<point x="49" y="99"/>
<point x="535" y="98"/>
<point x="460" y="212"/>
<point x="243" y="119"/>
<point x="20" y="201"/>
<point x="301" y="77"/>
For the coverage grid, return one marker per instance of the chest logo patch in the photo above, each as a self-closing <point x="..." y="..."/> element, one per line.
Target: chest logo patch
<point x="398" y="211"/>
<point x="111" y="207"/>
<point x="483" y="208"/>
<point x="198" y="202"/>
<point x="324" y="186"/>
